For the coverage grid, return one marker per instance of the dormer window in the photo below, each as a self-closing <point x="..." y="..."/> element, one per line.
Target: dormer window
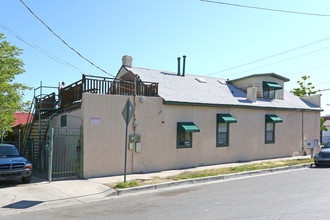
<point x="269" y="89"/>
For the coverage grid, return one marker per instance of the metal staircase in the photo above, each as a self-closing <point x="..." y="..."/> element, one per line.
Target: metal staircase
<point x="36" y="138"/>
<point x="35" y="132"/>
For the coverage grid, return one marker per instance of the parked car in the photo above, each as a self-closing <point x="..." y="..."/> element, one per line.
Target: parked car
<point x="323" y="157"/>
<point x="12" y="165"/>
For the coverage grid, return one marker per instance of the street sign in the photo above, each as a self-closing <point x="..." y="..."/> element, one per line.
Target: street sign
<point x="127" y="114"/>
<point x="128" y="111"/>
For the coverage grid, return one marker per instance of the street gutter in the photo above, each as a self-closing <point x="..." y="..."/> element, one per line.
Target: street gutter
<point x="119" y="192"/>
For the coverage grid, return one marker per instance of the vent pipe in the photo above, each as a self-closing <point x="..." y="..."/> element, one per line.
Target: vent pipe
<point x="184" y="65"/>
<point x="179" y="66"/>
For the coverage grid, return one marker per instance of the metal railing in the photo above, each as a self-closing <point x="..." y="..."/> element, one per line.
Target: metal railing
<point x="69" y="95"/>
<point x="104" y="85"/>
<point x="39" y="102"/>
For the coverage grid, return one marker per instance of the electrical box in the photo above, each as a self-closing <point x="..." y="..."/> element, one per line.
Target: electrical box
<point x="134" y="138"/>
<point x="138" y="147"/>
<point x="311" y="143"/>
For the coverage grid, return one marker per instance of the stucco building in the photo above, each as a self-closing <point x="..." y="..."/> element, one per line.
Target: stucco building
<point x="183" y="120"/>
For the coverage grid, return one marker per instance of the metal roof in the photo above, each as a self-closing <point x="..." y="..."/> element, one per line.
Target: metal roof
<point x="262" y="75"/>
<point x="214" y="92"/>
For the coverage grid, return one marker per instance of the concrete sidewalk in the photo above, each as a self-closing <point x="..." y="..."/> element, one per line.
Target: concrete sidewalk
<point x="40" y="194"/>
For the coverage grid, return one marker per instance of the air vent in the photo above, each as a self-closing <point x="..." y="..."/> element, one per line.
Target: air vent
<point x="200" y="79"/>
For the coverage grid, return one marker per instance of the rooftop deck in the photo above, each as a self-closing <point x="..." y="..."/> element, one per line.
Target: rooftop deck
<point x="104" y="85"/>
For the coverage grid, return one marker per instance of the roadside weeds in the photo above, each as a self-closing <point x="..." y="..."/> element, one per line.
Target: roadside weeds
<point x="220" y="173"/>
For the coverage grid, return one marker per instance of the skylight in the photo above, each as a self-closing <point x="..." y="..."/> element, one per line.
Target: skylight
<point x="200" y="79"/>
<point x="222" y="82"/>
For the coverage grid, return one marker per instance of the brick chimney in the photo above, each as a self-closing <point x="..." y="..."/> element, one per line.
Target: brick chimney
<point x="127" y="61"/>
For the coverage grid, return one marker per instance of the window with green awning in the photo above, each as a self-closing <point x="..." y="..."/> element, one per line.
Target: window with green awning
<point x="184" y="134"/>
<point x="271" y="85"/>
<point x="188" y="127"/>
<point x="226" y="118"/>
<point x="223" y="121"/>
<point x="270" y="121"/>
<point x="273" y="118"/>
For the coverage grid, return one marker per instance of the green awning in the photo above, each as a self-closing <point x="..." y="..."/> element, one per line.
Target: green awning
<point x="271" y="85"/>
<point x="188" y="127"/>
<point x="226" y="118"/>
<point x="273" y="118"/>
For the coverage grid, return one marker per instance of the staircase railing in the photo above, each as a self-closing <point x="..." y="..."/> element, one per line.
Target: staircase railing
<point x="28" y="127"/>
<point x="39" y="103"/>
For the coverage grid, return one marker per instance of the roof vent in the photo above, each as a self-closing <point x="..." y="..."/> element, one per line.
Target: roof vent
<point x="200" y="79"/>
<point x="184" y="66"/>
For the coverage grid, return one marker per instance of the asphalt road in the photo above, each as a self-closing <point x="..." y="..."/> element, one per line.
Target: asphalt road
<point x="295" y="194"/>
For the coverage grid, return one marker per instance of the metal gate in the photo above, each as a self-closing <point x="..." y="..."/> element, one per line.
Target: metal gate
<point x="67" y="151"/>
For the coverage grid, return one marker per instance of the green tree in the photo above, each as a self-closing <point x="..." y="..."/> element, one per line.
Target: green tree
<point x="323" y="128"/>
<point x="304" y="89"/>
<point x="11" y="93"/>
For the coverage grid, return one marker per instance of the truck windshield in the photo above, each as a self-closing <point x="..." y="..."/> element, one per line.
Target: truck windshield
<point x="8" y="151"/>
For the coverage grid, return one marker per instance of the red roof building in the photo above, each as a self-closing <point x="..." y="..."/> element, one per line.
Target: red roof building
<point x="21" y="118"/>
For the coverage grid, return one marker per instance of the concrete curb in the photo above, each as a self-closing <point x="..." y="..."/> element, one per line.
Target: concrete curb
<point x="120" y="192"/>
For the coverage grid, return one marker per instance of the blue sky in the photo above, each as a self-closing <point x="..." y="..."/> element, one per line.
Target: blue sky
<point x="214" y="38"/>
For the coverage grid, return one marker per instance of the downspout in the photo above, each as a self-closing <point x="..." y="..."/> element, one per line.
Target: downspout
<point x="302" y="133"/>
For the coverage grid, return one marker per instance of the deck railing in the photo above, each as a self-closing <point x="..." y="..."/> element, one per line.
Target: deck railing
<point x="104" y="85"/>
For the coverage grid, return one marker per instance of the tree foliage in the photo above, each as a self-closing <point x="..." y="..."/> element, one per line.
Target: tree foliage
<point x="323" y="128"/>
<point x="305" y="89"/>
<point x="11" y="93"/>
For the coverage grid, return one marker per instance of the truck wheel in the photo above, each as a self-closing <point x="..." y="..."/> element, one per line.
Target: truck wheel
<point x="26" y="179"/>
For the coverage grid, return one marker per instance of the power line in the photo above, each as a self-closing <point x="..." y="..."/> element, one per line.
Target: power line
<point x="310" y="69"/>
<point x="36" y="47"/>
<point x="315" y="51"/>
<point x="323" y="90"/>
<point x="63" y="40"/>
<point x="271" y="56"/>
<point x="267" y="9"/>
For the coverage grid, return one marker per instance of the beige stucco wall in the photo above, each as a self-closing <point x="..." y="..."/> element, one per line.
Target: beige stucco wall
<point x="157" y="125"/>
<point x="314" y="99"/>
<point x="256" y="81"/>
<point x="74" y="119"/>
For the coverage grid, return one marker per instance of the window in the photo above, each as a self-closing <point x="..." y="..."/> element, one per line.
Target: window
<point x="269" y="89"/>
<point x="269" y="93"/>
<point x="270" y="132"/>
<point x="223" y="134"/>
<point x="270" y="128"/>
<point x="223" y="121"/>
<point x="63" y="120"/>
<point x="184" y="134"/>
<point x="184" y="139"/>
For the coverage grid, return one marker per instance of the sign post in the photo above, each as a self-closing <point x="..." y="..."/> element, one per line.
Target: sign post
<point x="127" y="114"/>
